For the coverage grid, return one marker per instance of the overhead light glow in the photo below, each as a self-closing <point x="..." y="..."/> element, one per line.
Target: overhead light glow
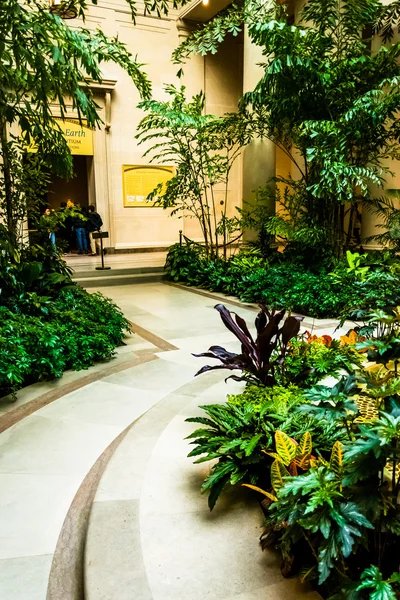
<point x="65" y="9"/>
<point x="205" y="2"/>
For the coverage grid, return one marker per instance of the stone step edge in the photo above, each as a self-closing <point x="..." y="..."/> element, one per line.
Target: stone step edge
<point x="90" y="582"/>
<point x="66" y="579"/>
<point x="14" y="413"/>
<point x="67" y="575"/>
<point x="85" y="274"/>
<point x="110" y="280"/>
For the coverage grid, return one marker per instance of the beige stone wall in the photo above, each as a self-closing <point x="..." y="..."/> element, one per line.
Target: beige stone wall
<point x="153" y="40"/>
<point x="370" y="223"/>
<point x="259" y="157"/>
<point x="223" y="77"/>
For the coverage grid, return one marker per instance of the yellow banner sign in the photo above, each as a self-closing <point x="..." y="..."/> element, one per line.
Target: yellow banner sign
<point x="79" y="138"/>
<point x="139" y="181"/>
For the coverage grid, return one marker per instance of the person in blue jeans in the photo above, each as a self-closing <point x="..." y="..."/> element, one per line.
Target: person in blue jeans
<point x="81" y="234"/>
<point x="49" y="224"/>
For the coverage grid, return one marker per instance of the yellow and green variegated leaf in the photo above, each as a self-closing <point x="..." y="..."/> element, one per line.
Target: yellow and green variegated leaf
<point x="336" y="461"/>
<point x="303" y="461"/>
<point x="305" y="445"/>
<point x="257" y="489"/>
<point x="285" y="447"/>
<point x="278" y="472"/>
<point x="273" y="454"/>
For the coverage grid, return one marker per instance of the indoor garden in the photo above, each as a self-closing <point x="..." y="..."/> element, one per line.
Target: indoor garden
<point x="315" y="431"/>
<point x="314" y="434"/>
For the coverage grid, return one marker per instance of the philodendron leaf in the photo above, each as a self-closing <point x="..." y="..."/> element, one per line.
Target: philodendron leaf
<point x="336" y="462"/>
<point x="285" y="447"/>
<point x="261" y="491"/>
<point x="372" y="579"/>
<point x="278" y="473"/>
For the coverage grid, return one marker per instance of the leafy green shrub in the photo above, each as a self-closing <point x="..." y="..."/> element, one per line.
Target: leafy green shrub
<point x="72" y="331"/>
<point x="332" y="498"/>
<point x="278" y="399"/>
<point x="342" y="516"/>
<point x="289" y="285"/>
<point x="182" y="263"/>
<point x="31" y="350"/>
<point x="320" y="357"/>
<point x="239" y="433"/>
<point x="29" y="269"/>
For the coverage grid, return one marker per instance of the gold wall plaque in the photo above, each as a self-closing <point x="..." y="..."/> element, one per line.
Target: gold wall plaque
<point x="140" y="180"/>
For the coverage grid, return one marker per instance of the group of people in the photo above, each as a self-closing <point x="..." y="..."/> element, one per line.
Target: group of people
<point x="75" y="225"/>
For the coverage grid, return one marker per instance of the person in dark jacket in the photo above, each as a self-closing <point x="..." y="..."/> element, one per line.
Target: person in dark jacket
<point x="94" y="223"/>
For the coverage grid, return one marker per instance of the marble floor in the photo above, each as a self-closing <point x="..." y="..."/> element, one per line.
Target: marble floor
<point x="98" y="500"/>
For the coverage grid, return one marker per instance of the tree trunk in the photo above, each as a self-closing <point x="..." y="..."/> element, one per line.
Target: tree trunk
<point x="6" y="166"/>
<point x="351" y="226"/>
<point x="341" y="231"/>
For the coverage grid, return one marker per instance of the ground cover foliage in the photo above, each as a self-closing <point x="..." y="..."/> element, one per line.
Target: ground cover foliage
<point x="290" y="281"/>
<point x="322" y="457"/>
<point x="47" y="323"/>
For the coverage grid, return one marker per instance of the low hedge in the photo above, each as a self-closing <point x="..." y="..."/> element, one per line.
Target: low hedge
<point x="283" y="284"/>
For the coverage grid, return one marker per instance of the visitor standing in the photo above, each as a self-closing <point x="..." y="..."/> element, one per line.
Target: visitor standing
<point x="50" y="225"/>
<point x="79" y="224"/>
<point x="66" y="228"/>
<point x="94" y="223"/>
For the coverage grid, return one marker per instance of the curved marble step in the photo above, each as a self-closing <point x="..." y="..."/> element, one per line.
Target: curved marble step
<point x="151" y="535"/>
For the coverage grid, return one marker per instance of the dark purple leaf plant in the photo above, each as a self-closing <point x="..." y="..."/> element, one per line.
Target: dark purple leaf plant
<point x="262" y="360"/>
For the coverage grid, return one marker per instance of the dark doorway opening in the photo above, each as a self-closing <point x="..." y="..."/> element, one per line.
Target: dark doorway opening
<point x="76" y="189"/>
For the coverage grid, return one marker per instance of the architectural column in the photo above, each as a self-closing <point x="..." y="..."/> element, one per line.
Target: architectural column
<point x="193" y="79"/>
<point x="259" y="157"/>
<point x="100" y="179"/>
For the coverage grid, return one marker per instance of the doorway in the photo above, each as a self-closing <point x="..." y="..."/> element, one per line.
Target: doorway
<point x="76" y="189"/>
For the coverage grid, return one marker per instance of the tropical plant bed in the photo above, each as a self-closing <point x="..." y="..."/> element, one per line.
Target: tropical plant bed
<point x="72" y="331"/>
<point x="357" y="282"/>
<point x="323" y="459"/>
<point x="47" y="323"/>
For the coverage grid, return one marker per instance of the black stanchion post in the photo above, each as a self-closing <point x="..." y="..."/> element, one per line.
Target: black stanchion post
<point x="100" y="235"/>
<point x="180" y="237"/>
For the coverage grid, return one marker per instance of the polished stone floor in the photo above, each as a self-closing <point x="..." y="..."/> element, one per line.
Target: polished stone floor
<point x="150" y="535"/>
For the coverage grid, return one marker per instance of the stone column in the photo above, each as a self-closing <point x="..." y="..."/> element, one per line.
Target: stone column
<point x="259" y="157"/>
<point x="193" y="79"/>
